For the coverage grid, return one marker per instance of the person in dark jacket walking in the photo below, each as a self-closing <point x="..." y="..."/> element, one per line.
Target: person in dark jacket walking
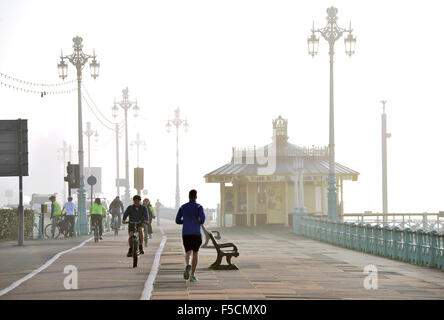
<point x="191" y="215"/>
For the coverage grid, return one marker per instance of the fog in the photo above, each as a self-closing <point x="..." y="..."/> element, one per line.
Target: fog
<point x="232" y="67"/>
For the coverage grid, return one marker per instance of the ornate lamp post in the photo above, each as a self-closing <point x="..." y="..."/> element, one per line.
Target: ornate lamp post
<point x="138" y="143"/>
<point x="78" y="58"/>
<point x="177" y="122"/>
<point x="126" y="104"/>
<point x="331" y="33"/>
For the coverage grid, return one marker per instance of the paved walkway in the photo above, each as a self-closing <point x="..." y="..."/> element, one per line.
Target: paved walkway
<point x="273" y="264"/>
<point x="276" y="264"/>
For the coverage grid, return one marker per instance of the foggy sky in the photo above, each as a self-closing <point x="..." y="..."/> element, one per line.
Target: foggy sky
<point x="232" y="67"/>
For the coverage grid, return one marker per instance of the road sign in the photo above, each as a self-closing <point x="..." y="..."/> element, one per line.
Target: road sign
<point x="13" y="148"/>
<point x="138" y="178"/>
<point x="96" y="172"/>
<point x="91" y="180"/>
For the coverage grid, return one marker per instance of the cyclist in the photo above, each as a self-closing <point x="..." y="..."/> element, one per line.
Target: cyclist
<point x="148" y="228"/>
<point x="96" y="211"/>
<point x="136" y="212"/>
<point x="56" y="212"/>
<point x="116" y="209"/>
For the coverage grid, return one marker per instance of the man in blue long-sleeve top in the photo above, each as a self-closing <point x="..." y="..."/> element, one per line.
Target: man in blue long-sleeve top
<point x="191" y="215"/>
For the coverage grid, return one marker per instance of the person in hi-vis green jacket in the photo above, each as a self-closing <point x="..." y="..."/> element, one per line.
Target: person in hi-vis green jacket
<point x="97" y="211"/>
<point x="56" y="212"/>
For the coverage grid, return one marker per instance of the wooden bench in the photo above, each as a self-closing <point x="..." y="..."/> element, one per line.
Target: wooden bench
<point x="223" y="253"/>
<point x="207" y="238"/>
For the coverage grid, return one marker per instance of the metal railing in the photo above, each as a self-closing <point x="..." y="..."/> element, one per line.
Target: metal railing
<point x="415" y="221"/>
<point x="420" y="247"/>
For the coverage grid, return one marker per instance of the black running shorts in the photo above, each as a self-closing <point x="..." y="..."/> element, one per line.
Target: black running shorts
<point x="191" y="242"/>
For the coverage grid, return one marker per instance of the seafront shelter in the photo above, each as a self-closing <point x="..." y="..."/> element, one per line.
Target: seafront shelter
<point x="257" y="186"/>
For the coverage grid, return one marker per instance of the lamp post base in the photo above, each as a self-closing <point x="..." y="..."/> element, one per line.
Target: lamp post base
<point x="298" y="213"/>
<point x="83" y="221"/>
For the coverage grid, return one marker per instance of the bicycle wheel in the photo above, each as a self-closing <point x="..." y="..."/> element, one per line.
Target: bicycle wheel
<point x="135" y="251"/>
<point x="48" y="231"/>
<point x="96" y="233"/>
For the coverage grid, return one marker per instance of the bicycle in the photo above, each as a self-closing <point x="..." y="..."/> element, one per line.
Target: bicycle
<point x="115" y="224"/>
<point x="145" y="234"/>
<point x="95" y="229"/>
<point x="61" y="228"/>
<point x="135" y="241"/>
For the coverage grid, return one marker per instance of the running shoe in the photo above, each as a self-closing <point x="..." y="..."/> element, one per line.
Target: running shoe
<point x="186" y="274"/>
<point x="193" y="278"/>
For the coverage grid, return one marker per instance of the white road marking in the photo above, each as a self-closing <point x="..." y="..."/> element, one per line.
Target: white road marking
<point x="148" y="288"/>
<point x="43" y="267"/>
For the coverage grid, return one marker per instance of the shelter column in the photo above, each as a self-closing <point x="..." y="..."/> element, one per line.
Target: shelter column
<point x="222" y="204"/>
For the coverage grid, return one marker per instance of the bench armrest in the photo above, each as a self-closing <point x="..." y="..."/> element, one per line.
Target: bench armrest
<point x="226" y="245"/>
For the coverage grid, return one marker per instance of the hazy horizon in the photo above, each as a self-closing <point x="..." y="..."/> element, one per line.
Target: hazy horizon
<point x="232" y="67"/>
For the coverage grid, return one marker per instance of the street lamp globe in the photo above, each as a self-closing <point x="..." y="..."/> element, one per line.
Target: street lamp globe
<point x="313" y="45"/>
<point x="350" y="44"/>
<point x="94" y="67"/>
<point x="63" y="69"/>
<point x="115" y="110"/>
<point x="168" y="126"/>
<point x="136" y="110"/>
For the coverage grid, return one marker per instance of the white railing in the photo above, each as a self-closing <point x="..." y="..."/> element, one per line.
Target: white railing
<point x="415" y="221"/>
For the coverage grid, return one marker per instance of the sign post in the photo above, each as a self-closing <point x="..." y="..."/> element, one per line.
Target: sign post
<point x="91" y="181"/>
<point x="14" y="160"/>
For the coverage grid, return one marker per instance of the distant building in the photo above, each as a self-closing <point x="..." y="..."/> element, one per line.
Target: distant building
<point x="252" y="196"/>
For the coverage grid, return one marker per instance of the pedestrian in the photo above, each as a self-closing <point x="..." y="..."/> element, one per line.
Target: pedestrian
<point x="71" y="212"/>
<point x="97" y="212"/>
<point x="148" y="227"/>
<point x="56" y="212"/>
<point x="136" y="213"/>
<point x="158" y="206"/>
<point x="116" y="209"/>
<point x="191" y="215"/>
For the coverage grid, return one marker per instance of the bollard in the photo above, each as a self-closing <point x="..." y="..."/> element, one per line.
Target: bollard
<point x="420" y="246"/>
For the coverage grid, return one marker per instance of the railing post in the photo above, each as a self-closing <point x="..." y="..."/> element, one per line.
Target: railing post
<point x="434" y="248"/>
<point x="361" y="240"/>
<point x="386" y="236"/>
<point x="354" y="236"/>
<point x="441" y="251"/>
<point x="368" y="238"/>
<point x="408" y="245"/>
<point x="377" y="231"/>
<point x="397" y="243"/>
<point x="420" y="246"/>
<point x="342" y="235"/>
